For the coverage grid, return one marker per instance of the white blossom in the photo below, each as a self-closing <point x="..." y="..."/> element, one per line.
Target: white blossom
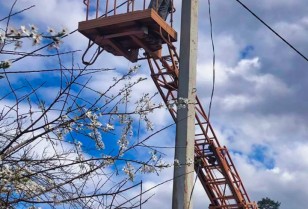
<point x="123" y="142"/>
<point x="18" y="33"/>
<point x="13" y="178"/>
<point x="12" y="31"/>
<point x="95" y="124"/>
<point x="36" y="39"/>
<point x="64" y="117"/>
<point x="56" y="44"/>
<point x="2" y="38"/>
<point x="24" y="30"/>
<point x="79" y="144"/>
<point x="134" y="68"/>
<point x="50" y="30"/>
<point x="59" y="134"/>
<point x="47" y="127"/>
<point x="89" y="114"/>
<point x="69" y="126"/>
<point x="147" y="169"/>
<point x="144" y="105"/>
<point x="97" y="137"/>
<point x="109" y="126"/>
<point x="63" y="32"/>
<point x="161" y="165"/>
<point x="122" y="118"/>
<point x="108" y="160"/>
<point x="129" y="170"/>
<point x="153" y="156"/>
<point x="149" y="124"/>
<point x="33" y="28"/>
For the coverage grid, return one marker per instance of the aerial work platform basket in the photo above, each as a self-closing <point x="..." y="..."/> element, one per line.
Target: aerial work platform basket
<point x="123" y="34"/>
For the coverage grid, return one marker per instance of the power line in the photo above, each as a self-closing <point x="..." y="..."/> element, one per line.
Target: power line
<point x="195" y="181"/>
<point x="214" y="59"/>
<point x="271" y="29"/>
<point x="17" y="13"/>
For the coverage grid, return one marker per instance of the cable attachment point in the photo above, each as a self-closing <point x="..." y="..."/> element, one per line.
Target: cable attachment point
<point x="98" y="51"/>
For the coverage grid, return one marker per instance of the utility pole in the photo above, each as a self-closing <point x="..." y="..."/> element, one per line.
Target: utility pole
<point x="185" y="128"/>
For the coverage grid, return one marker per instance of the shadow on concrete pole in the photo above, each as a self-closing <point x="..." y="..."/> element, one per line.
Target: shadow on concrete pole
<point x="185" y="129"/>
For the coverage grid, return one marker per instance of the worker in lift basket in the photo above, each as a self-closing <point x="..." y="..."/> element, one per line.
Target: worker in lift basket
<point x="163" y="7"/>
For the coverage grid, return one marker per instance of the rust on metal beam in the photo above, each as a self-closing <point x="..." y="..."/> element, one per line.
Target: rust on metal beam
<point x="129" y="31"/>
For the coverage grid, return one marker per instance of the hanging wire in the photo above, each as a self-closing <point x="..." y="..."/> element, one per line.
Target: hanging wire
<point x="99" y="49"/>
<point x="214" y="60"/>
<point x="97" y="52"/>
<point x="271" y="29"/>
<point x="195" y="181"/>
<point x="173" y="10"/>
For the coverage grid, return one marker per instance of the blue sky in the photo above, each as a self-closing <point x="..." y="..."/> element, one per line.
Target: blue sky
<point x="260" y="104"/>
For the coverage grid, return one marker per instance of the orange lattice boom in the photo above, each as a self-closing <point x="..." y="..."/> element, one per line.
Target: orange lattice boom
<point x="123" y="29"/>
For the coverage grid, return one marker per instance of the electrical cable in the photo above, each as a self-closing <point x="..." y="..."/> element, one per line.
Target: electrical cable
<point x="99" y="49"/>
<point x="271" y="29"/>
<point x="193" y="188"/>
<point x="214" y="60"/>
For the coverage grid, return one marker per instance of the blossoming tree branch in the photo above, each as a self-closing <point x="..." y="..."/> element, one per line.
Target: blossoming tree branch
<point x="63" y="142"/>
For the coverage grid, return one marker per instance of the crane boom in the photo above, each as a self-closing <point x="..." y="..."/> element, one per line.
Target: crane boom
<point x="213" y="164"/>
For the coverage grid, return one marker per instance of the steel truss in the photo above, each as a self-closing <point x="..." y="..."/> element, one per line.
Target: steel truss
<point x="213" y="164"/>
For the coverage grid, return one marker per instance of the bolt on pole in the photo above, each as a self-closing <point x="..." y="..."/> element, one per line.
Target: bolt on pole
<point x="185" y="128"/>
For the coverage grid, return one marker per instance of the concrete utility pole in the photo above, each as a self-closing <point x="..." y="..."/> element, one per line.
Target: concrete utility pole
<point x="185" y="129"/>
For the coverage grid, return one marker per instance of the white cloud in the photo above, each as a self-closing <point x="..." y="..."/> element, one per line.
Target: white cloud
<point x="259" y="100"/>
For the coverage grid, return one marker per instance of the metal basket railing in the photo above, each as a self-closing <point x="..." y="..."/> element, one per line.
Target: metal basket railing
<point x="105" y="8"/>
